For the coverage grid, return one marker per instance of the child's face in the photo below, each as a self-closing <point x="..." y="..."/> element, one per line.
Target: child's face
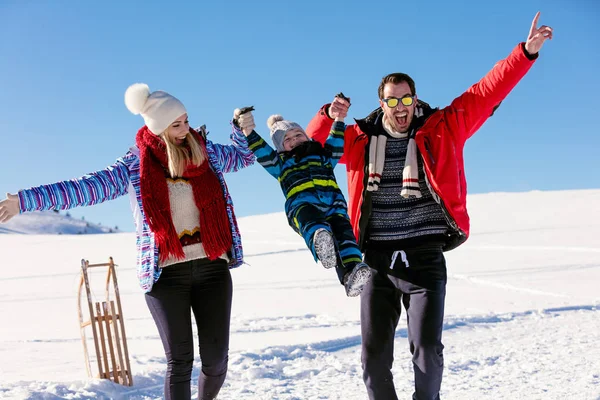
<point x="293" y="138"/>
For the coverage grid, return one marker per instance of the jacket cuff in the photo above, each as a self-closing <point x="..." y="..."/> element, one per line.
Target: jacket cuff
<point x="236" y="129"/>
<point x="339" y="126"/>
<point x="530" y="57"/>
<point x="22" y="208"/>
<point x="325" y="111"/>
<point x="253" y="137"/>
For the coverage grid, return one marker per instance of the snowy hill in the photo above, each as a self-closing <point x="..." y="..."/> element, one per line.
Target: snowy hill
<point x="522" y="312"/>
<point x="52" y="223"/>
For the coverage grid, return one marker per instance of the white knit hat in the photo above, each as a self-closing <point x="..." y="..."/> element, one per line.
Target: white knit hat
<point x="279" y="127"/>
<point x="159" y="109"/>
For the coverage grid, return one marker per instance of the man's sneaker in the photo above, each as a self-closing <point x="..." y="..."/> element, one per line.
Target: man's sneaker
<point x="355" y="280"/>
<point x="325" y="248"/>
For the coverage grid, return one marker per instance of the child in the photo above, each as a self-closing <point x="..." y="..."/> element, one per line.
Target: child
<point x="315" y="206"/>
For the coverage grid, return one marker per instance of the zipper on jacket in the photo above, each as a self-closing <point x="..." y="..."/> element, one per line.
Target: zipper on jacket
<point x="362" y="220"/>
<point x="428" y="150"/>
<point x="453" y="225"/>
<point x="450" y="220"/>
<point x="459" y="173"/>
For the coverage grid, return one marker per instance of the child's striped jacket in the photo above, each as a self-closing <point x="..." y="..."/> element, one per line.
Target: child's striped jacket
<point x="310" y="180"/>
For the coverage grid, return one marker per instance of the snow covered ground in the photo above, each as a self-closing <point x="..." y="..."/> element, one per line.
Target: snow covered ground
<point x="522" y="312"/>
<point x="53" y="223"/>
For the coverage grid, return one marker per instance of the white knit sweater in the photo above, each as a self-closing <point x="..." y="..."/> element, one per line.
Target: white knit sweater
<point x="186" y="219"/>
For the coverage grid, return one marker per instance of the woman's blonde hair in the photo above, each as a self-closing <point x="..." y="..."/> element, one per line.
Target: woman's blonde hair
<point x="180" y="157"/>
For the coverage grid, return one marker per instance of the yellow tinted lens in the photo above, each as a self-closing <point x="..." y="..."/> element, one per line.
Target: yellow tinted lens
<point x="407" y="101"/>
<point x="393" y="102"/>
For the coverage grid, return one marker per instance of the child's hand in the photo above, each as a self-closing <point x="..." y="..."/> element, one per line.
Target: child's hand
<point x="244" y="120"/>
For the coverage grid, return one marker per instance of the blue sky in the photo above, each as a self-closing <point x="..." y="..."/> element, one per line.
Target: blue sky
<point x="66" y="64"/>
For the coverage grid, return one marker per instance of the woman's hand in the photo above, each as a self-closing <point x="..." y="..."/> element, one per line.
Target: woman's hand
<point x="9" y="207"/>
<point x="245" y="121"/>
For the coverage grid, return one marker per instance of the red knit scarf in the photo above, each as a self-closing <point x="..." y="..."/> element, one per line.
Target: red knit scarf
<point x="208" y="196"/>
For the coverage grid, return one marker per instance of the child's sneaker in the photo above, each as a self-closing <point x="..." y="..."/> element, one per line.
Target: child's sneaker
<point x="325" y="248"/>
<point x="355" y="280"/>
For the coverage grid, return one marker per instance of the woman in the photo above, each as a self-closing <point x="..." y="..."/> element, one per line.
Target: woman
<point x="187" y="235"/>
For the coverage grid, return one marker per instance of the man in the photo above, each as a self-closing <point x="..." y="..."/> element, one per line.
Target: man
<point x="407" y="203"/>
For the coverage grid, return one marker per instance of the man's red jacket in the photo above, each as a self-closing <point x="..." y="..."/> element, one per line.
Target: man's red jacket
<point x="440" y="141"/>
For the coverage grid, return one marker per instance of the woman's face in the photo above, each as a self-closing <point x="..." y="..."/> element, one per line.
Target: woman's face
<point x="178" y="130"/>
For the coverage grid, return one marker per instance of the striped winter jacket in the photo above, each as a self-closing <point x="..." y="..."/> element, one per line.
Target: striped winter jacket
<point x="311" y="179"/>
<point x="124" y="177"/>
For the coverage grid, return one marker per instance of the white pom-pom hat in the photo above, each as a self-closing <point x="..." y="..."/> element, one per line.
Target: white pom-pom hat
<point x="159" y="109"/>
<point x="279" y="127"/>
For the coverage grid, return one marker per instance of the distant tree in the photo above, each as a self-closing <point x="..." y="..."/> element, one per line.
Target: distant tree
<point x="82" y="218"/>
<point x="116" y="228"/>
<point x="68" y="214"/>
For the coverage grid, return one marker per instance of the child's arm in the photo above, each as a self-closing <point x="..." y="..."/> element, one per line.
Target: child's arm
<point x="265" y="155"/>
<point x="335" y="140"/>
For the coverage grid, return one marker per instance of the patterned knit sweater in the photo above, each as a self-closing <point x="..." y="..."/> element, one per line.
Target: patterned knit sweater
<point x="395" y="219"/>
<point x="186" y="220"/>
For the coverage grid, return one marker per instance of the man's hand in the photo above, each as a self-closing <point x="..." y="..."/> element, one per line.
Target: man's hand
<point x="9" y="207"/>
<point x="339" y="107"/>
<point x="244" y="120"/>
<point x="537" y="36"/>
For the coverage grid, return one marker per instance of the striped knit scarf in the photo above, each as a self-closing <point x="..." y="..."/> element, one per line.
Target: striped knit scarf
<point x="410" y="172"/>
<point x="208" y="196"/>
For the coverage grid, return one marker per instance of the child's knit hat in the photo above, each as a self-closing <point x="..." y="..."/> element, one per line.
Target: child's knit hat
<point x="279" y="127"/>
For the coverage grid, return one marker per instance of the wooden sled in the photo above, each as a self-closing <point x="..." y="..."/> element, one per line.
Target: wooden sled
<point x="108" y="328"/>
